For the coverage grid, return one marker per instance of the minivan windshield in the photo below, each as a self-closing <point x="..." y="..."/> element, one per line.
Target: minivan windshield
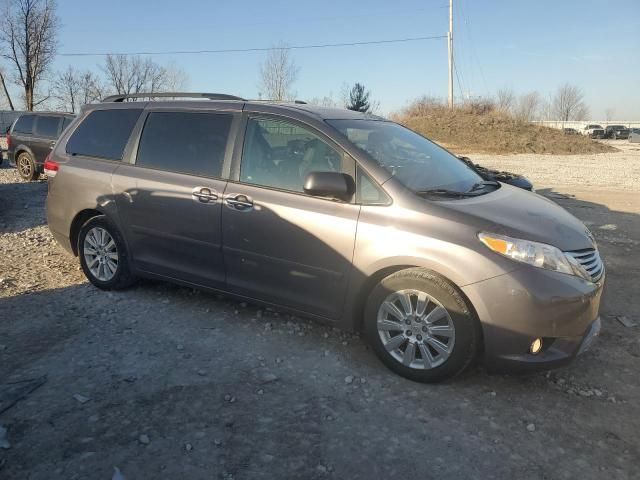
<point x="418" y="163"/>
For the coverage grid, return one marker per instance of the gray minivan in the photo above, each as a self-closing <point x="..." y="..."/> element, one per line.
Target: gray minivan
<point x="338" y="215"/>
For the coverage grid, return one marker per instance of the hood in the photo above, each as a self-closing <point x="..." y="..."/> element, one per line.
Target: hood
<point x="526" y="215"/>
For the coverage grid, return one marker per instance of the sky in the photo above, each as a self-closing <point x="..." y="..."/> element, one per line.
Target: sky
<point x="521" y="44"/>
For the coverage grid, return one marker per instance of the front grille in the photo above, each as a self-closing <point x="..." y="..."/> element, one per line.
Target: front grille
<point x="590" y="260"/>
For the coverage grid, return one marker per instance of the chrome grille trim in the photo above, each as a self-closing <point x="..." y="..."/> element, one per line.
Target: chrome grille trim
<point x="590" y="260"/>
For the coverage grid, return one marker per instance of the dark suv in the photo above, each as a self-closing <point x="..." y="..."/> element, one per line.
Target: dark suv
<point x="339" y="215"/>
<point x="616" y="132"/>
<point x="31" y="139"/>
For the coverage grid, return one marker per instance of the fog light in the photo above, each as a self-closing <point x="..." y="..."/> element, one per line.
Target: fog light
<point x="536" y="346"/>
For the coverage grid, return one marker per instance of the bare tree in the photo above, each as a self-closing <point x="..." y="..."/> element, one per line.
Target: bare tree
<point x="609" y="113"/>
<point x="527" y="106"/>
<point x="28" y="36"/>
<point x="505" y="100"/>
<point x="129" y="75"/>
<point x="568" y="103"/>
<point x="73" y="88"/>
<point x="278" y="73"/>
<point x="326" y="101"/>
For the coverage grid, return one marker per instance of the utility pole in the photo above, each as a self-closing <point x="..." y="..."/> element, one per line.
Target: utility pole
<point x="450" y="44"/>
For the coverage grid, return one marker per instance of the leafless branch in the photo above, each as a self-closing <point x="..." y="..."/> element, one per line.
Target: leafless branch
<point x="568" y="103"/>
<point x="278" y="73"/>
<point x="28" y="39"/>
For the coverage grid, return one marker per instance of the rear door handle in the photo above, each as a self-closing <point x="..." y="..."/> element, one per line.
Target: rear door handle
<point x="203" y="195"/>
<point x="239" y="202"/>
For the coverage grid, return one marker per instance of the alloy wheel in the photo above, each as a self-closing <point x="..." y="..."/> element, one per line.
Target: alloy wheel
<point x="100" y="254"/>
<point x="25" y="166"/>
<point x="416" y="329"/>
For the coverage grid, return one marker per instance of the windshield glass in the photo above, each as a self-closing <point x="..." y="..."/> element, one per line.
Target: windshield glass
<point x="418" y="163"/>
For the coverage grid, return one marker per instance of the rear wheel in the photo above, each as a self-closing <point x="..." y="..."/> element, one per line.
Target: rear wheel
<point x="26" y="167"/>
<point x="420" y="326"/>
<point x="103" y="255"/>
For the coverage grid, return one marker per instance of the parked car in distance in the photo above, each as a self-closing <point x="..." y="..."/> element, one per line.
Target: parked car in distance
<point x="7" y="117"/>
<point x="506" y="177"/>
<point x="616" y="132"/>
<point x="570" y="131"/>
<point x="334" y="214"/>
<point x="634" y="135"/>
<point x="31" y="138"/>
<point x="593" y="131"/>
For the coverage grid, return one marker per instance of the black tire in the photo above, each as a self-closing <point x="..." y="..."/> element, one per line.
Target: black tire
<point x="27" y="168"/>
<point x="467" y="327"/>
<point x="122" y="277"/>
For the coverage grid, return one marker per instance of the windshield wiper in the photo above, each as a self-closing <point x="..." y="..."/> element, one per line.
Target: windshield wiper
<point x="484" y="183"/>
<point x="446" y="193"/>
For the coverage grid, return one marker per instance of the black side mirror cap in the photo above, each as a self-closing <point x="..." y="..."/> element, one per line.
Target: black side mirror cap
<point x="330" y="184"/>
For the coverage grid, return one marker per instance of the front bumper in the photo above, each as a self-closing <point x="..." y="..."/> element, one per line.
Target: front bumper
<point x="529" y="303"/>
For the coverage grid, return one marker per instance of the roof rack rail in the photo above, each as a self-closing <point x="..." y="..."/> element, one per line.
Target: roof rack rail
<point x="208" y="96"/>
<point x="269" y="100"/>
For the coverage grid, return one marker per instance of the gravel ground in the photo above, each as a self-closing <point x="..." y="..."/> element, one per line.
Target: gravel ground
<point x="167" y="382"/>
<point x="619" y="170"/>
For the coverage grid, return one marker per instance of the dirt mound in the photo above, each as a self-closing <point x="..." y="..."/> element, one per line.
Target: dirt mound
<point x="467" y="132"/>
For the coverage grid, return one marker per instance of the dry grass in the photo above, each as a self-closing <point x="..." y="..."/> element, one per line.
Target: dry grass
<point x="467" y="131"/>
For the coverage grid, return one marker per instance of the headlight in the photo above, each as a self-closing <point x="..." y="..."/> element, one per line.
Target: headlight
<point x="537" y="254"/>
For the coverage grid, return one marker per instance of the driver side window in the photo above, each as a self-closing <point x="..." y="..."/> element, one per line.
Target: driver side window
<point x="280" y="154"/>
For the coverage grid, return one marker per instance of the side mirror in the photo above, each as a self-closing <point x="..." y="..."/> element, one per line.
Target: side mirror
<point x="330" y="184"/>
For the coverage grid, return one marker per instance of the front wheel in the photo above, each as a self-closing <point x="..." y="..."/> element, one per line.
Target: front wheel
<point x="103" y="255"/>
<point x="421" y="327"/>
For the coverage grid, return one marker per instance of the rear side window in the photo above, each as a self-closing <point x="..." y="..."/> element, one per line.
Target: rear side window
<point x="65" y="122"/>
<point x="103" y="134"/>
<point x="24" y="124"/>
<point x="185" y="142"/>
<point x="47" y="126"/>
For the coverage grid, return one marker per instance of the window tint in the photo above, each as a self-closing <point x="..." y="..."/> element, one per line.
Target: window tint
<point x="103" y="134"/>
<point x="24" y="124"/>
<point x="280" y="154"/>
<point x="184" y="142"/>
<point x="47" y="126"/>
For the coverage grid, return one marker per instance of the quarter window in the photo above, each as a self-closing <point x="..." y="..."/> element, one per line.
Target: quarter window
<point x="368" y="192"/>
<point x="47" y="126"/>
<point x="104" y="133"/>
<point x="280" y="154"/>
<point x="185" y="142"/>
<point x="24" y="124"/>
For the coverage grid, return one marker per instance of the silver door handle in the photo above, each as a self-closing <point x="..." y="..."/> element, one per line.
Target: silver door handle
<point x="203" y="195"/>
<point x="239" y="202"/>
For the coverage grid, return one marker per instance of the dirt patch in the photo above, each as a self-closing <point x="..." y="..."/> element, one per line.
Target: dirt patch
<point x="466" y="132"/>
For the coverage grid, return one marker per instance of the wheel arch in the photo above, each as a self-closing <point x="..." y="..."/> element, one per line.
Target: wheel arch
<point x="76" y="224"/>
<point x="364" y="290"/>
<point x="21" y="148"/>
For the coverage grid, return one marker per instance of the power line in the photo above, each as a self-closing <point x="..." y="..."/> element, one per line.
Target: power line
<point x="455" y="69"/>
<point x="255" y="49"/>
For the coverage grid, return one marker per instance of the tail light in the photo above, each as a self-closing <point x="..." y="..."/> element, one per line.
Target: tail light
<point x="50" y="167"/>
<point x="8" y="141"/>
